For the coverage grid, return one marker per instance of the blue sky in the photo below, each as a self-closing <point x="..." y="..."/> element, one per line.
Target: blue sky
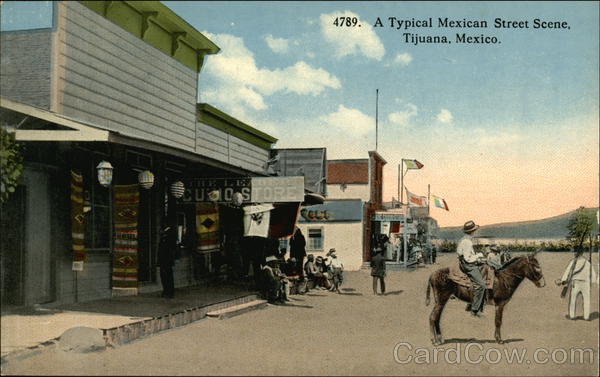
<point x="506" y="131"/>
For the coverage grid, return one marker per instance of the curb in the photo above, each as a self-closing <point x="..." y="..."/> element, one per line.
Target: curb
<point x="116" y="336"/>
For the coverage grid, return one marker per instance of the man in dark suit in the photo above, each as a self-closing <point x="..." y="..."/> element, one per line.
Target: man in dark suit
<point x="298" y="249"/>
<point x="378" y="271"/>
<point x="166" y="260"/>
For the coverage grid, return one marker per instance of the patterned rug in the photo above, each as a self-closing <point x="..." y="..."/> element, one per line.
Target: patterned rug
<point x="207" y="227"/>
<point x="125" y="255"/>
<point x="77" y="221"/>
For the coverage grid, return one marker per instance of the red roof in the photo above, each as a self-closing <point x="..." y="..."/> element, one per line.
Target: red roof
<point x="349" y="171"/>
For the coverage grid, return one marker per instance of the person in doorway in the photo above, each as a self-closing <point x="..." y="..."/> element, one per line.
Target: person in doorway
<point x="298" y="249"/>
<point x="166" y="260"/>
<point x="470" y="263"/>
<point x="579" y="276"/>
<point x="378" y="271"/>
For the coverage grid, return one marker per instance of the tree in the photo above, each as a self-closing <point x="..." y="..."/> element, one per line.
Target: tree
<point x="580" y="226"/>
<point x="11" y="164"/>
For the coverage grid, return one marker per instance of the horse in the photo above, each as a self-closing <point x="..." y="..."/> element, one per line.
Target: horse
<point x="506" y="282"/>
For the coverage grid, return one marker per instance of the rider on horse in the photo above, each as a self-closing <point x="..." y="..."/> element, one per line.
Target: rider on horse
<point x="470" y="263"/>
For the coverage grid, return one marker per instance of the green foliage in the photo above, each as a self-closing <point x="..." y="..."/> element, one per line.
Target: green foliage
<point x="447" y="247"/>
<point x="581" y="225"/>
<point x="11" y="165"/>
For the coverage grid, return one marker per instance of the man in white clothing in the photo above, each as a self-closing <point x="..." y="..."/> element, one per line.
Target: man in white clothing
<point x="470" y="263"/>
<point x="582" y="274"/>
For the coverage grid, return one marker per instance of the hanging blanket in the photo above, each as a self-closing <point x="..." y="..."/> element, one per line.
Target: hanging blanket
<point x="283" y="220"/>
<point x="77" y="220"/>
<point x="125" y="255"/>
<point x="207" y="227"/>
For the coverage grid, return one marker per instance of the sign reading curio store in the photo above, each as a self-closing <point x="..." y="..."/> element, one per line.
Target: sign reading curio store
<point x="253" y="190"/>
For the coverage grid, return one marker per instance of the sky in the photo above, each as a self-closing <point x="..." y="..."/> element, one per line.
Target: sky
<point x="506" y="131"/>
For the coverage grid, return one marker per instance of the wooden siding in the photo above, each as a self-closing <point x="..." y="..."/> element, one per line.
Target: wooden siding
<point x="221" y="146"/>
<point x="25" y="67"/>
<point x="110" y="78"/>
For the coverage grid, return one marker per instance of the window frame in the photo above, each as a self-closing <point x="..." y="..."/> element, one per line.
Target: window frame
<point x="309" y="240"/>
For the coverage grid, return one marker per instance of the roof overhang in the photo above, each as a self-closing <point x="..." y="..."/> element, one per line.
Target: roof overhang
<point x="77" y="131"/>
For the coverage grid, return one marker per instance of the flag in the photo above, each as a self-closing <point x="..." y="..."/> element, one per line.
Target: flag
<point x="257" y="219"/>
<point x="416" y="200"/>
<point x="439" y="202"/>
<point x="412" y="164"/>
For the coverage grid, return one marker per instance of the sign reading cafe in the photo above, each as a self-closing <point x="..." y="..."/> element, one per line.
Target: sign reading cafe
<point x="253" y="190"/>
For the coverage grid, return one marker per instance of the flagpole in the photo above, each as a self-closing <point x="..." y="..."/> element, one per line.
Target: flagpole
<point x="428" y="196"/>
<point x="401" y="189"/>
<point x="376" y="117"/>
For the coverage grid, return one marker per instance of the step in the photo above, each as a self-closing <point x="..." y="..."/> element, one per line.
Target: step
<point x="232" y="311"/>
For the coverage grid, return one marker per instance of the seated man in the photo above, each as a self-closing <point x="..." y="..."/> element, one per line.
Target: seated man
<point x="324" y="281"/>
<point x="277" y="284"/>
<point x="494" y="257"/>
<point x="311" y="271"/>
<point x="470" y="263"/>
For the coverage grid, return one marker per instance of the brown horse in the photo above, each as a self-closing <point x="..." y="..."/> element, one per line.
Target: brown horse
<point x="506" y="282"/>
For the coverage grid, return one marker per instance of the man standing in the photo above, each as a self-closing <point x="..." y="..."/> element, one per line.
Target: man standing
<point x="470" y="263"/>
<point x="166" y="260"/>
<point x="580" y="274"/>
<point x="298" y="249"/>
<point x="378" y="271"/>
<point x="337" y="270"/>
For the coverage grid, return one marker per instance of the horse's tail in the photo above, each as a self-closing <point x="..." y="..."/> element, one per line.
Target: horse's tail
<point x="427" y="298"/>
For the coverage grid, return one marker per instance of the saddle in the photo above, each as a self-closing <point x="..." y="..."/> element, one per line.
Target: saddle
<point x="456" y="275"/>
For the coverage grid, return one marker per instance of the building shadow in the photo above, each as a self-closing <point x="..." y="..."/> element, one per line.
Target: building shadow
<point x="593" y="316"/>
<point x="393" y="293"/>
<point x="291" y="305"/>
<point x="28" y="311"/>
<point x="480" y="341"/>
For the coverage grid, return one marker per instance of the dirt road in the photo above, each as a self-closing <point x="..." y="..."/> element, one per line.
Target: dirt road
<point x="359" y="333"/>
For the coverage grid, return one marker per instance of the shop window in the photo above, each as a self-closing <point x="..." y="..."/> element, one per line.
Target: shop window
<point x="284" y="244"/>
<point x="138" y="160"/>
<point x="315" y="239"/>
<point x="26" y="15"/>
<point x="98" y="216"/>
<point x="181" y="227"/>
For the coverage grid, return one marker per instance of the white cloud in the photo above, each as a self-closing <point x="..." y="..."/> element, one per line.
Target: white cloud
<point x="351" y="40"/>
<point x="444" y="116"/>
<point x="242" y="85"/>
<point x="278" y="45"/>
<point x="403" y="59"/>
<point x="403" y="118"/>
<point x="350" y="120"/>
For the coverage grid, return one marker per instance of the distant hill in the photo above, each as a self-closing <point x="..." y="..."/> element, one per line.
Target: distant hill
<point x="549" y="228"/>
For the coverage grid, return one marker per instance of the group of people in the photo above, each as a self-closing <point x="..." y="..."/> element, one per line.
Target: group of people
<point x="577" y="277"/>
<point x="285" y="276"/>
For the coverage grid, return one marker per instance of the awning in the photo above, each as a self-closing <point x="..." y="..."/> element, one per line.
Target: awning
<point x="76" y="130"/>
<point x="311" y="199"/>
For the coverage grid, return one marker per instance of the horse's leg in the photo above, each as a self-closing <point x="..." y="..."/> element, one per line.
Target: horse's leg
<point x="499" y="310"/>
<point x="443" y="299"/>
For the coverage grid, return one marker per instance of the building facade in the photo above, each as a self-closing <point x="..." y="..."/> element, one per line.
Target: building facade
<point x="116" y="82"/>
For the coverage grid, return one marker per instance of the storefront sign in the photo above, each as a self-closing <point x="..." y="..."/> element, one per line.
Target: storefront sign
<point x="277" y="189"/>
<point x="197" y="190"/>
<point x="388" y="217"/>
<point x="253" y="190"/>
